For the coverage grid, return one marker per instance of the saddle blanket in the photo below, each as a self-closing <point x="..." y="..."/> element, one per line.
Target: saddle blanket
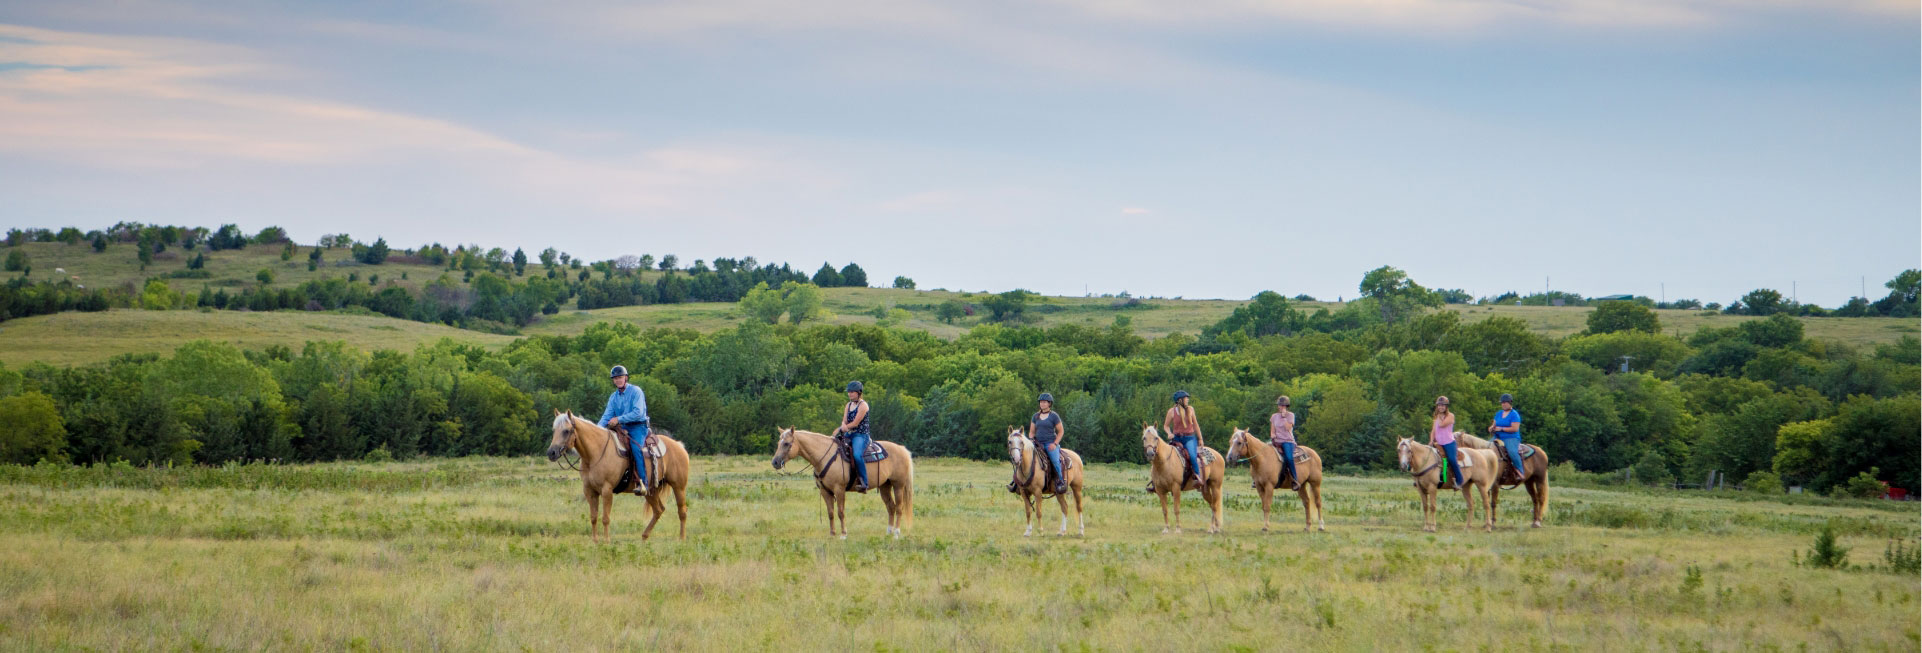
<point x="874" y="454"/>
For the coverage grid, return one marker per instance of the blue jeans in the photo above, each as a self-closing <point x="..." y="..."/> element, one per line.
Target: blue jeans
<point x="1192" y="445"/>
<point x="859" y="443"/>
<point x="637" y="434"/>
<point x="1450" y="464"/>
<point x="1288" y="459"/>
<point x="1514" y="443"/>
<point x="1054" y="457"/>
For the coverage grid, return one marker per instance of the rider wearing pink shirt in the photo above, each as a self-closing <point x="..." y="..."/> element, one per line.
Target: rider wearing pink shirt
<point x="1444" y="436"/>
<point x="1281" y="429"/>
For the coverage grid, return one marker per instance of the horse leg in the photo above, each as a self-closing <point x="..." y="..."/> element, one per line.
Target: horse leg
<point x="1267" y="499"/>
<point x="1307" y="509"/>
<point x="1538" y="495"/>
<point x="607" y="513"/>
<point x="887" y="501"/>
<point x="680" y="506"/>
<point x="841" y="511"/>
<point x="655" y="509"/>
<point x="1061" y="500"/>
<point x="1177" y="494"/>
<point x="827" y="499"/>
<point x="1494" y="502"/>
<point x="1428" y="509"/>
<point x="1321" y="523"/>
<point x="1215" y="503"/>
<point x="593" y="514"/>
<point x="1164" y="510"/>
<point x="1080" y="516"/>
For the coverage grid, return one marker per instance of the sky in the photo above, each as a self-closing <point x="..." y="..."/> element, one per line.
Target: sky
<point x="1205" y="148"/>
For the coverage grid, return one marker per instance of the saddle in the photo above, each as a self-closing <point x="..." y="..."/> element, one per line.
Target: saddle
<point x="1281" y="473"/>
<point x="1049" y="473"/>
<point x="1188" y="471"/>
<point x="1510" y="475"/>
<point x="843" y="453"/>
<point x="652" y="447"/>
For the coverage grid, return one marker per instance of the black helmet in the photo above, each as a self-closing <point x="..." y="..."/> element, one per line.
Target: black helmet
<point x="1507" y="398"/>
<point x="854" y="386"/>
<point x="1180" y="395"/>
<point x="1282" y="401"/>
<point x="618" y="371"/>
<point x="1047" y="397"/>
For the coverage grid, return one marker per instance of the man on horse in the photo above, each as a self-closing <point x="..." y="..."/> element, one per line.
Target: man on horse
<point x="1046" y="430"/>
<point x="855" y="425"/>
<point x="1507" y="427"/>
<point x="1185" y="431"/>
<point x="627" y="413"/>
<point x="1282" y="434"/>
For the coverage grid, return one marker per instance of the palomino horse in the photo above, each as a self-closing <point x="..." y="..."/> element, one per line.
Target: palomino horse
<point x="1264" y="463"/>
<point x="603" y="466"/>
<point x="893" y="477"/>
<point x="1167" y="475"/>
<point x="1031" y="481"/>
<point x="1424" y="463"/>
<point x="1534" y="475"/>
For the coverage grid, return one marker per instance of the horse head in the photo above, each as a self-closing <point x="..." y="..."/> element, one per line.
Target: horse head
<point x="784" y="448"/>
<point x="1150" y="440"/>
<point x="1405" y="450"/>
<point x="563" y="435"/>
<point x="1018" y="444"/>
<point x="1236" y="448"/>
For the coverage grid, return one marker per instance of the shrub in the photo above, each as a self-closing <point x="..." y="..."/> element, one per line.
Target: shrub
<point x="1652" y="470"/>
<point x="1763" y="482"/>
<point x="1902" y="559"/>
<point x="17" y="260"/>
<point x="379" y="454"/>
<point x="1864" y="485"/>
<point x="1826" y="554"/>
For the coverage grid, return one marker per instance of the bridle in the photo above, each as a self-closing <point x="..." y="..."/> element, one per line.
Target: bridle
<point x="572" y="432"/>
<point x="1408" y="449"/>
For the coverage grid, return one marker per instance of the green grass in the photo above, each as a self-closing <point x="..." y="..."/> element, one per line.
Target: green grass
<point x="493" y="554"/>
<point x="232" y="270"/>
<point x="80" y="338"/>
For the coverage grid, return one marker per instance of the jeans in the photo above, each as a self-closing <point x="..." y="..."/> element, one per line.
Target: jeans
<point x="859" y="443"/>
<point x="1288" y="459"/>
<point x="1054" y="458"/>
<point x="637" y="435"/>
<point x="1452" y="464"/>
<point x="1192" y="445"/>
<point x="1514" y="445"/>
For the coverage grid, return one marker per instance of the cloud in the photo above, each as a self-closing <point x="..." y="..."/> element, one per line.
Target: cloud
<point x="121" y="102"/>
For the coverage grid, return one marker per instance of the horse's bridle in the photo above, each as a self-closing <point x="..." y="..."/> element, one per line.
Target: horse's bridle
<point x="573" y="432"/>
<point x="1439" y="457"/>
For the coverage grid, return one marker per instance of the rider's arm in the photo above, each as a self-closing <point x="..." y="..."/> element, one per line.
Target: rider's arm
<point x="608" y="414"/>
<point x="1060" y="430"/>
<point x="637" y="409"/>
<point x="1166" y="432"/>
<point x="1516" y="427"/>
<point x="1199" y="441"/>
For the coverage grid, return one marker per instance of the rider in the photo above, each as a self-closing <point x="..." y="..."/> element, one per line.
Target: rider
<point x="1046" y="430"/>
<point x="855" y="424"/>
<point x="1507" y="426"/>
<point x="1282" y="433"/>
<point x="1185" y="432"/>
<point x="627" y="408"/>
<point x="1443" y="436"/>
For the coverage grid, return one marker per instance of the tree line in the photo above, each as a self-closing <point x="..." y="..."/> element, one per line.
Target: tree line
<point x="1759" y="401"/>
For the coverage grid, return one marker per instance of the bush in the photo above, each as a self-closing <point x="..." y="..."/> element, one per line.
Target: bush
<point x="1902" y="558"/>
<point x="266" y="276"/>
<point x="379" y="454"/>
<point x="31" y="430"/>
<point x="1826" y="554"/>
<point x="17" y="260"/>
<point x="1763" y="482"/>
<point x="1652" y="470"/>
<point x="1865" y="485"/>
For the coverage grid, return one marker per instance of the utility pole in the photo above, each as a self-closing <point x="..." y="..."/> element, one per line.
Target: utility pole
<point x="1795" y="297"/>
<point x="1665" y="292"/>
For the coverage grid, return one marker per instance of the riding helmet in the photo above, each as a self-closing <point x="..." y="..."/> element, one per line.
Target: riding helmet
<point x="1442" y="400"/>
<point x="1507" y="398"/>
<point x="854" y="386"/>
<point x="1047" y="397"/>
<point x="618" y="371"/>
<point x="1282" y="401"/>
<point x="1180" y="395"/>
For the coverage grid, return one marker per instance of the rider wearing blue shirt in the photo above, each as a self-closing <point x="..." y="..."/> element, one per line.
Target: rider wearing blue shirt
<point x="627" y="409"/>
<point x="1045" y="429"/>
<point x="1507" y="426"/>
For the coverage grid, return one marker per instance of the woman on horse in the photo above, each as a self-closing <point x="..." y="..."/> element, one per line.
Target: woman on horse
<point x="1443" y="435"/>
<point x="1281" y="432"/>
<point x="855" y="424"/>
<point x="1507" y="426"/>
<point x="1185" y="431"/>
<point x="1046" y="430"/>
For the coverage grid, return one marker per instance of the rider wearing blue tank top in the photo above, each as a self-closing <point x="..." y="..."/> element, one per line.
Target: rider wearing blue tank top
<point x="855" y="424"/>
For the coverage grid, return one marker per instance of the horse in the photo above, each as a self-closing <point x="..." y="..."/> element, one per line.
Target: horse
<point x="604" y="469"/>
<point x="1167" y="474"/>
<point x="1534" y="475"/>
<point x="1424" y="463"/>
<point x="1029" y="461"/>
<point x="893" y="477"/>
<point x="1265" y="465"/>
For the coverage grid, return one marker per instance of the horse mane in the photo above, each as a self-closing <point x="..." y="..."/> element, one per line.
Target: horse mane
<point x="574" y="422"/>
<point x="1472" y="442"/>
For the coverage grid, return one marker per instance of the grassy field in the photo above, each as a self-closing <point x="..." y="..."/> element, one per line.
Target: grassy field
<point x="79" y="338"/>
<point x="493" y="554"/>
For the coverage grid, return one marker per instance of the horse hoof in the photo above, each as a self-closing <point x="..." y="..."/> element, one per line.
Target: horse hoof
<point x="844" y="536"/>
<point x="1164" y="531"/>
<point x="1536" y="525"/>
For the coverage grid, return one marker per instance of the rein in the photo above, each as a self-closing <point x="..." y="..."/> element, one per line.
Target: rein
<point x="1430" y="468"/>
<point x="569" y="463"/>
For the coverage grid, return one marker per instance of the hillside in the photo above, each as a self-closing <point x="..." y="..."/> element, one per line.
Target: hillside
<point x="75" y="338"/>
